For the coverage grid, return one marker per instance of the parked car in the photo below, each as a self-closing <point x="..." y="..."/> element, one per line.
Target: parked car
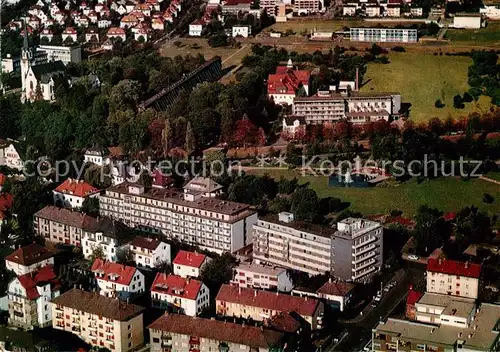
<point x="413" y="257"/>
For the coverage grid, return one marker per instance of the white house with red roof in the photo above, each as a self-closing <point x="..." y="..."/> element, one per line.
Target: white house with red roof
<point x="168" y="16"/>
<point x="196" y="28"/>
<point x="450" y="277"/>
<point x="72" y="193"/>
<point x="284" y="85"/>
<point x="29" y="297"/>
<point x="186" y="296"/>
<point x="155" y="4"/>
<point x="69" y="32"/>
<point x="144" y="8"/>
<point x="47" y="33"/>
<point x="148" y="252"/>
<point x="118" y="280"/>
<point x="92" y="35"/>
<point x="104" y="22"/>
<point x="158" y="24"/>
<point x="34" y="22"/>
<point x="29" y="258"/>
<point x="93" y="16"/>
<point x="129" y="21"/>
<point x="189" y="264"/>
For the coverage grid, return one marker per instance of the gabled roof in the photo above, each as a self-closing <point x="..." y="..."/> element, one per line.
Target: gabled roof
<point x="191" y="259"/>
<point x="452" y="267"/>
<point x="41" y="277"/>
<point x="285" y="322"/>
<point x="66" y="217"/>
<point x="113" y="272"/>
<point x="145" y="242"/>
<point x="2" y="179"/>
<point x="94" y="303"/>
<point x="303" y="306"/>
<point x="174" y="285"/>
<point x="78" y="188"/>
<point x="336" y="288"/>
<point x="29" y="255"/>
<point x="203" y="184"/>
<point x="43" y="72"/>
<point x="109" y="228"/>
<point x="286" y="80"/>
<point x="247" y="335"/>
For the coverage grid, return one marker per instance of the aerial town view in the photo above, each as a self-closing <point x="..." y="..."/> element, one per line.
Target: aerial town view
<point x="250" y="175"/>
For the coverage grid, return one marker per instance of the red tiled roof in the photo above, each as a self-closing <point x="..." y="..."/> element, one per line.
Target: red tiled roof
<point x="269" y="300"/>
<point x="198" y="22"/>
<point x="174" y="285"/>
<point x="113" y="272"/>
<point x="115" y="31"/>
<point x="145" y="242"/>
<point x="452" y="267"/>
<point x="2" y="179"/>
<point x="43" y="275"/>
<point x="449" y="216"/>
<point x="284" y="322"/>
<point x="76" y="188"/>
<point x="30" y="254"/>
<point x="336" y="288"/>
<point x="247" y="335"/>
<point x="194" y="260"/>
<point x="413" y="297"/>
<point x="237" y="2"/>
<point x="287" y="81"/>
<point x="69" y="30"/>
<point x="6" y="201"/>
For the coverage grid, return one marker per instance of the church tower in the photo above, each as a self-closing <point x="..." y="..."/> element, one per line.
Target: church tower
<point x="25" y="62"/>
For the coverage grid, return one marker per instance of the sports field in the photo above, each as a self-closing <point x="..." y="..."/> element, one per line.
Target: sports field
<point x="447" y="194"/>
<point x="490" y="35"/>
<point x="422" y="79"/>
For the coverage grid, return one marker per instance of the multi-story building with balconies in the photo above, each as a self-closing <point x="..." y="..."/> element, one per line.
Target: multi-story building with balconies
<point x="356" y="107"/>
<point x="353" y="251"/>
<point x="98" y="320"/>
<point x="260" y="276"/>
<point x="384" y="35"/>
<point x="210" y="223"/>
<point x="29" y="298"/>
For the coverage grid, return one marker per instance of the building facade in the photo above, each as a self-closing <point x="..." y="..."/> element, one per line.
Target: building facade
<point x="66" y="54"/>
<point x="210" y="223"/>
<point x="148" y="252"/>
<point x="384" y="35"/>
<point x="29" y="258"/>
<point x="286" y="83"/>
<point x="72" y="193"/>
<point x="189" y="264"/>
<point x="98" y="320"/>
<point x="173" y="332"/>
<point x="259" y="276"/>
<point x="454" y="278"/>
<point x="107" y="235"/>
<point x="118" y="280"/>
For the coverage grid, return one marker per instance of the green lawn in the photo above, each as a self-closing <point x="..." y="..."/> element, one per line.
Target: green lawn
<point x="494" y="175"/>
<point x="484" y="36"/>
<point x="446" y="194"/>
<point x="422" y="79"/>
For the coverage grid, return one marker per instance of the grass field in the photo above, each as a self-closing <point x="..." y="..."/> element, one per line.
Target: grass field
<point x="194" y="46"/>
<point x="422" y="79"/>
<point x="446" y="194"/>
<point x="484" y="36"/>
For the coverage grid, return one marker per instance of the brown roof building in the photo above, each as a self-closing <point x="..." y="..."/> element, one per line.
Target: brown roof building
<point x="29" y="258"/>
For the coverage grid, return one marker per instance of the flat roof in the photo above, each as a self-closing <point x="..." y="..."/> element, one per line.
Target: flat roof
<point x="434" y="299"/>
<point x="481" y="334"/>
<point x="353" y="95"/>
<point x="260" y="269"/>
<point x="308" y="227"/>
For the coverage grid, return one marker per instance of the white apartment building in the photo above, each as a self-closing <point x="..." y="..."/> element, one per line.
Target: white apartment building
<point x="356" y="107"/>
<point x="66" y="54"/>
<point x="259" y="276"/>
<point x="189" y="264"/>
<point x="384" y="35"/>
<point x="72" y="193"/>
<point x="148" y="252"/>
<point x="99" y="320"/>
<point x="184" y="333"/>
<point x="308" y="6"/>
<point x="453" y="278"/>
<point x="106" y="234"/>
<point x="243" y="31"/>
<point x="184" y="296"/>
<point x="210" y="223"/>
<point x="196" y="28"/>
<point x="29" y="297"/>
<point x="28" y="259"/>
<point x="118" y="280"/>
<point x="97" y="156"/>
<point x="353" y="251"/>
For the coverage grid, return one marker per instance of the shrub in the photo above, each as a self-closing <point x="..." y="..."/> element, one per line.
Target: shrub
<point x="439" y="104"/>
<point x="398" y="49"/>
<point x="488" y="198"/>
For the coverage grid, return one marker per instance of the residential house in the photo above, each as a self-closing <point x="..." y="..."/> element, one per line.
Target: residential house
<point x="118" y="280"/>
<point x="71" y="33"/>
<point x="203" y="186"/>
<point x="115" y="33"/>
<point x="141" y="34"/>
<point x="72" y="193"/>
<point x="490" y="9"/>
<point x="293" y="126"/>
<point x="60" y="225"/>
<point x="454" y="278"/>
<point x="129" y="21"/>
<point x="186" y="296"/>
<point x="260" y="305"/>
<point x="259" y="276"/>
<point x="97" y="156"/>
<point x="47" y="33"/>
<point x="11" y="156"/>
<point x="148" y="252"/>
<point x="28" y="259"/>
<point x="242" y="31"/>
<point x="157" y="24"/>
<point x="284" y="85"/>
<point x="393" y="10"/>
<point x="198" y="334"/>
<point x="337" y="294"/>
<point x="372" y="10"/>
<point x="99" y="320"/>
<point x="29" y="298"/>
<point x="108" y="235"/>
<point x="92" y="36"/>
<point x="104" y="22"/>
<point x="189" y="264"/>
<point x="196" y="28"/>
<point x="93" y="17"/>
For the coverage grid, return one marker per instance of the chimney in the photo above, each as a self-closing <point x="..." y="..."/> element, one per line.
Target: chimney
<point x="255" y="293"/>
<point x="466" y="265"/>
<point x="239" y="290"/>
<point x="330" y="280"/>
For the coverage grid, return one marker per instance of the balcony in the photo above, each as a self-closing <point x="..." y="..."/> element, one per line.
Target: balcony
<point x="371" y="239"/>
<point x="367" y="249"/>
<point x="368" y="263"/>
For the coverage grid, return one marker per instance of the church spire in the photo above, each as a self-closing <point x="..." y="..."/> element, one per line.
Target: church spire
<point x="25" y="42"/>
<point x="290" y="63"/>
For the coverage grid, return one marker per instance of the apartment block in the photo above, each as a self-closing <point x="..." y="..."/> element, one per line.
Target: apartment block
<point x="261" y="276"/>
<point x="453" y="278"/>
<point x="118" y="280"/>
<point x="66" y="54"/>
<point x="108" y="235"/>
<point x="60" y="225"/>
<point x="98" y="320"/>
<point x="147" y="252"/>
<point x="29" y="297"/>
<point x="356" y="107"/>
<point x="210" y="223"/>
<point x="29" y="258"/>
<point x="384" y="35"/>
<point x="173" y="332"/>
<point x="480" y="335"/>
<point x="353" y="251"/>
<point x="308" y="6"/>
<point x="261" y="305"/>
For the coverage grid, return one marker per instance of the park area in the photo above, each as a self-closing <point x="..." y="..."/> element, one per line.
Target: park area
<point x="490" y="35"/>
<point x="422" y="79"/>
<point x="447" y="194"/>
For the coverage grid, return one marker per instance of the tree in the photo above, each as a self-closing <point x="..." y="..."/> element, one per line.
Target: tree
<point x="305" y="205"/>
<point x="124" y="256"/>
<point x="439" y="104"/>
<point x="472" y="226"/>
<point x="90" y="206"/>
<point x="166" y="137"/>
<point x="218" y="271"/>
<point x="457" y="102"/>
<point x="190" y="144"/>
<point x="467" y="98"/>
<point x="97" y="253"/>
<point x="488" y="198"/>
<point x="428" y="233"/>
<point x="163" y="266"/>
<point x="279" y="204"/>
